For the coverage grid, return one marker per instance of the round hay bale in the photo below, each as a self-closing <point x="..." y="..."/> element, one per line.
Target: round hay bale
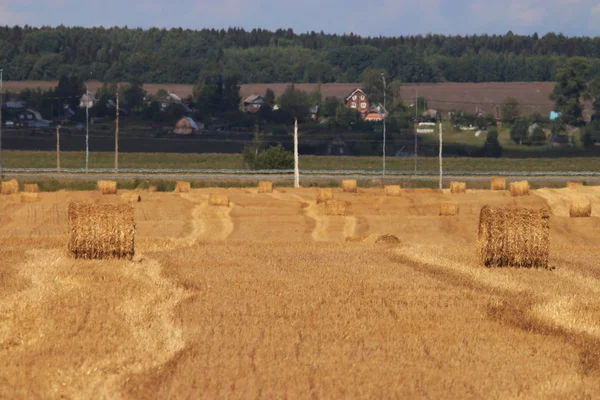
<point x="218" y="200"/>
<point x="513" y="237"/>
<point x="31" y="188"/>
<point x="574" y="185"/>
<point x="520" y="188"/>
<point x="458" y="187"/>
<point x="182" y="187"/>
<point x="335" y="208"/>
<point x="107" y="187"/>
<point x="101" y="231"/>
<point x="387" y="239"/>
<point x="580" y="209"/>
<point x="324" y="194"/>
<point x="130" y="198"/>
<point x="10" y="187"/>
<point x="449" y="208"/>
<point x="265" y="187"/>
<point x="28" y="197"/>
<point x="392" y="190"/>
<point x="498" y="183"/>
<point x="350" y="186"/>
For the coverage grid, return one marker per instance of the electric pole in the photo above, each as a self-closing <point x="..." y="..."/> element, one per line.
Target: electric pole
<point x="441" y="144"/>
<point x="1" y="122"/>
<point x="58" y="148"/>
<point x="117" y="134"/>
<point x="296" y="168"/>
<point x="384" y="118"/>
<point x="416" y="122"/>
<point x="87" y="127"/>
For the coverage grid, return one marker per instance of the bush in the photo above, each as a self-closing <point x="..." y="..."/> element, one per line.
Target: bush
<point x="538" y="136"/>
<point x="591" y="134"/>
<point x="274" y="157"/>
<point x="519" y="131"/>
<point x="491" y="147"/>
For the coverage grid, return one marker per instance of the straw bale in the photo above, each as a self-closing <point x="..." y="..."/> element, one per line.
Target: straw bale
<point x="392" y="190"/>
<point x="323" y="195"/>
<point x="513" y="237"/>
<point x="458" y="187"/>
<point x="574" y="185"/>
<point x="519" y="188"/>
<point x="107" y="187"/>
<point x="28" y="197"/>
<point x="580" y="209"/>
<point x="335" y="207"/>
<point x="350" y="186"/>
<point x="449" y="208"/>
<point x="128" y="198"/>
<point x="265" y="187"/>
<point x="498" y="183"/>
<point x="182" y="187"/>
<point x="31" y="188"/>
<point x="101" y="231"/>
<point x="219" y="200"/>
<point x="388" y="239"/>
<point x="10" y="187"/>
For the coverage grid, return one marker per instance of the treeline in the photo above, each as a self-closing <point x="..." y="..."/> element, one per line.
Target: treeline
<point x="262" y="56"/>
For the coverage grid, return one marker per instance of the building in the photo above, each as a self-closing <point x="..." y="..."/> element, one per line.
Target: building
<point x="253" y="103"/>
<point x="170" y="99"/>
<point x="377" y="113"/>
<point x="186" y="126"/>
<point x="314" y="112"/>
<point x="87" y="100"/>
<point x="358" y="100"/>
<point x="31" y="119"/>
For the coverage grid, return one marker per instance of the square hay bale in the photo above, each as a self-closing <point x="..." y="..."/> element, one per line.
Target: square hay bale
<point x="513" y="237"/>
<point x="335" y="208"/>
<point x="218" y="200"/>
<point x="182" y="187"/>
<point x="574" y="185"/>
<point x="392" y="190"/>
<point x="324" y="194"/>
<point x="107" y="187"/>
<point x="101" y="231"/>
<point x="458" y="187"/>
<point x="265" y="187"/>
<point x="130" y="198"/>
<point x="28" y="197"/>
<point x="498" y="183"/>
<point x="449" y="208"/>
<point x="31" y="188"/>
<point x="580" y="209"/>
<point x="350" y="186"/>
<point x="10" y="187"/>
<point x="519" y="188"/>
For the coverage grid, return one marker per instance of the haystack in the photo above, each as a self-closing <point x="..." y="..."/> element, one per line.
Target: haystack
<point x="498" y="183"/>
<point x="335" y="207"/>
<point x="101" y="231"/>
<point x="449" y="208"/>
<point x="107" y="187"/>
<point x="28" y="197"/>
<point x="519" y="188"/>
<point x="130" y="198"/>
<point x="31" y="188"/>
<point x="219" y="200"/>
<point x="458" y="187"/>
<point x="10" y="187"/>
<point x="387" y="239"/>
<point x="182" y="187"/>
<point x="323" y="195"/>
<point x="350" y="186"/>
<point x="265" y="187"/>
<point x="513" y="237"/>
<point x="392" y="190"/>
<point x="580" y="209"/>
<point x="574" y="185"/>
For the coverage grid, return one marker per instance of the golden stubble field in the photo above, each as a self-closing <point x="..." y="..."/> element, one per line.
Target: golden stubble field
<point x="270" y="298"/>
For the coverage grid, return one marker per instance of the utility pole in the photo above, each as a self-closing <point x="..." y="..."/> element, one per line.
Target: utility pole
<point x="1" y="122"/>
<point x="296" y="169"/>
<point x="117" y="134"/>
<point x="384" y="118"/>
<point x="441" y="144"/>
<point x="58" y="148"/>
<point x="87" y="127"/>
<point x="416" y="121"/>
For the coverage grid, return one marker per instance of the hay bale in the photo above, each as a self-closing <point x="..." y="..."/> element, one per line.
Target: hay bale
<point x="107" y="187"/>
<point x="130" y="198"/>
<point x="580" y="209"/>
<point x="498" y="183"/>
<point x="10" y="187"/>
<point x="101" y="231"/>
<point x="28" y="197"/>
<point x="511" y="237"/>
<point x="519" y="188"/>
<point x="458" y="187"/>
<point x="182" y="187"/>
<point x="350" y="186"/>
<point x="388" y="239"/>
<point x="449" y="208"/>
<point x="335" y="208"/>
<point x="265" y="187"/>
<point x="323" y="195"/>
<point x="31" y="188"/>
<point x="219" y="200"/>
<point x="574" y="185"/>
<point x="392" y="190"/>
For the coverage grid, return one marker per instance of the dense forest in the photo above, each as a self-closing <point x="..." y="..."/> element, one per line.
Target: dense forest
<point x="262" y="56"/>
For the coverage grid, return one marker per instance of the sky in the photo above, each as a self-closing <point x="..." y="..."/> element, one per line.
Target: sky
<point x="367" y="18"/>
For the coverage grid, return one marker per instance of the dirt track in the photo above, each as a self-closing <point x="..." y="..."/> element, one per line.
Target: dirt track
<point x="267" y="298"/>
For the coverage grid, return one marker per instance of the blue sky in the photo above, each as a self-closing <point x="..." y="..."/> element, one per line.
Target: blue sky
<point x="373" y="18"/>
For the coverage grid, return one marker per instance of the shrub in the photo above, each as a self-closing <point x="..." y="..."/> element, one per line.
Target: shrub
<point x="538" y="136"/>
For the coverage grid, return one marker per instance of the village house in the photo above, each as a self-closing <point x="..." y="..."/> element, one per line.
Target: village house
<point x="170" y="99"/>
<point x="253" y="103"/>
<point x="87" y="100"/>
<point x="377" y="113"/>
<point x="358" y="100"/>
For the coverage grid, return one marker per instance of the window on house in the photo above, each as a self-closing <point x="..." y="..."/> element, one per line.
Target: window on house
<point x="362" y="96"/>
<point x="353" y="105"/>
<point x="354" y="97"/>
<point x="29" y="117"/>
<point x="363" y="105"/>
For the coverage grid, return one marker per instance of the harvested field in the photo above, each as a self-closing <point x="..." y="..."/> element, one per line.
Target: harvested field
<point x="272" y="298"/>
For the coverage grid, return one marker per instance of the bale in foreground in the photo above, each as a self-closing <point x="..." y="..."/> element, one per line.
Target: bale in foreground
<point x="219" y="200"/>
<point x="498" y="183"/>
<point x="335" y="208"/>
<point x="182" y="187"/>
<point x="350" y="186"/>
<point x="458" y="187"/>
<point x="10" y="187"/>
<point x="265" y="187"/>
<point x="323" y="195"/>
<point x="101" y="231"/>
<point x="107" y="187"/>
<point x="513" y="237"/>
<point x="580" y="209"/>
<point x="519" y="188"/>
<point x="448" y="208"/>
<point x="31" y="188"/>
<point x="392" y="190"/>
